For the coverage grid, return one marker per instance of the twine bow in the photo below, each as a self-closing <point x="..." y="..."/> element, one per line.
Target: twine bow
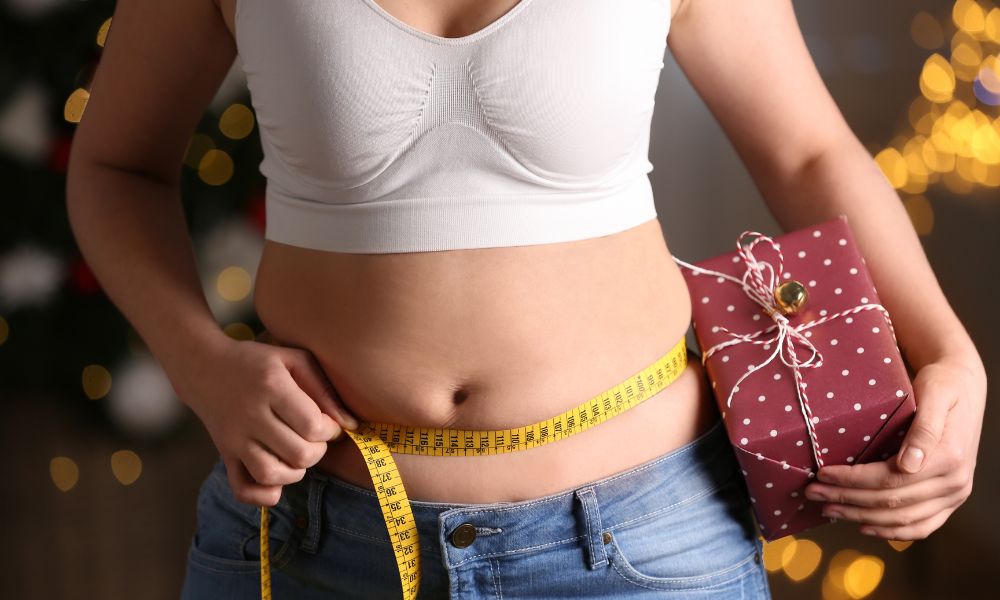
<point x="761" y="291"/>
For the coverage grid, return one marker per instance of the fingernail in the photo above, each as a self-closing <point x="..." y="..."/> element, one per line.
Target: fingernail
<point x="832" y="512"/>
<point x="867" y="531"/>
<point x="912" y="458"/>
<point x="350" y="422"/>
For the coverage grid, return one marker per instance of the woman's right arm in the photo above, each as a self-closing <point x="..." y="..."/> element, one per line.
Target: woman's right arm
<point x="267" y="408"/>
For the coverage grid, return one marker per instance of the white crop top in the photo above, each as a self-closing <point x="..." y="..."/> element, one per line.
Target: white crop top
<point x="379" y="137"/>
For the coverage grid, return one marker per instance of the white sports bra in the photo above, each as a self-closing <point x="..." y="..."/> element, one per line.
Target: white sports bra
<point x="379" y="137"/>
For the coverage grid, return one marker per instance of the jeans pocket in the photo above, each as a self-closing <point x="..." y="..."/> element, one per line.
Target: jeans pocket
<point x="708" y="543"/>
<point x="227" y="534"/>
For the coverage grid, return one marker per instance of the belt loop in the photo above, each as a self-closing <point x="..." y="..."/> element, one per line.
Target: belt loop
<point x="314" y="521"/>
<point x="597" y="555"/>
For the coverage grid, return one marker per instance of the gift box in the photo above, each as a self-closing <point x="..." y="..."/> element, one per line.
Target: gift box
<point x="803" y="362"/>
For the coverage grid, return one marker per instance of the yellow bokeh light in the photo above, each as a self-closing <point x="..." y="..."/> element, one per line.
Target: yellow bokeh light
<point x="968" y="16"/>
<point x="918" y="111"/>
<point x="955" y="182"/>
<point x="239" y="331"/>
<point x="126" y="466"/>
<point x="992" y="177"/>
<point x="64" y="472"/>
<point x="992" y="30"/>
<point x="102" y="33"/>
<point x="937" y="79"/>
<point x="921" y="214"/>
<point x="965" y="61"/>
<point x="989" y="74"/>
<point x="926" y="31"/>
<point x="75" y="105"/>
<point x="236" y="121"/>
<point x="215" y="167"/>
<point x="4" y="330"/>
<point x="198" y="145"/>
<point x="96" y="381"/>
<point x="833" y="583"/>
<point x="832" y="587"/>
<point x="985" y="144"/>
<point x="980" y="171"/>
<point x="800" y="559"/>
<point x="900" y="545"/>
<point x="773" y="552"/>
<point x="893" y="167"/>
<point x="863" y="575"/>
<point x="234" y="283"/>
<point x="966" y="168"/>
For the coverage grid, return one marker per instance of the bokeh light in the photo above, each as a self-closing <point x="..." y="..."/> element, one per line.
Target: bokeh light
<point x="863" y="575"/>
<point x="215" y="167"/>
<point x="926" y="31"/>
<point x="102" y="32"/>
<point x="800" y="559"/>
<point x="64" y="472"/>
<point x="900" y="545"/>
<point x="236" y="121"/>
<point x="126" y="466"/>
<point x="234" y="283"/>
<point x="96" y="381"/>
<point x="937" y="79"/>
<point x="75" y="105"/>
<point x="774" y="553"/>
<point x="239" y="331"/>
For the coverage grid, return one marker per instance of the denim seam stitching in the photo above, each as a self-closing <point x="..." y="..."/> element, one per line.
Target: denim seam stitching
<point x="495" y="570"/>
<point x="697" y="496"/>
<point x="680" y="581"/>
<point x="515" y="550"/>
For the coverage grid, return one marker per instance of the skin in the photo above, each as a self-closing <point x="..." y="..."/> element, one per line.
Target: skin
<point x="499" y="327"/>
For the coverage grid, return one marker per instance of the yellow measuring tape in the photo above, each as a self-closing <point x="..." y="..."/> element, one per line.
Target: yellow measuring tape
<point x="376" y="440"/>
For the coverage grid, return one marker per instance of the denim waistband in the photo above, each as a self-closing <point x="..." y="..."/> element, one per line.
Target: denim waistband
<point x="582" y="514"/>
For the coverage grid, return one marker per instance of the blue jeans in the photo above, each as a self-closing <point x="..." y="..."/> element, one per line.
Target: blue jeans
<point x="677" y="526"/>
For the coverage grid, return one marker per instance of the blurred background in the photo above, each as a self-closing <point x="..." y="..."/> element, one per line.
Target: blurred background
<point x="104" y="463"/>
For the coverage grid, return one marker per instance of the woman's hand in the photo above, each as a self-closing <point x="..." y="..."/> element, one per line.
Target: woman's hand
<point x="912" y="494"/>
<point x="270" y="411"/>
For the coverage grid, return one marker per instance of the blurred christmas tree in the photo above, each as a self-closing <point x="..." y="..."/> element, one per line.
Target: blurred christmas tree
<point x="58" y="330"/>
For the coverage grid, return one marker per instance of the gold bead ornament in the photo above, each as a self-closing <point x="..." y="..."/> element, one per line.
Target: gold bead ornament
<point x="791" y="296"/>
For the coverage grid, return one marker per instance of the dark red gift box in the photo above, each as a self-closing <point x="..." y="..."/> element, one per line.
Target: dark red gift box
<point x="822" y="385"/>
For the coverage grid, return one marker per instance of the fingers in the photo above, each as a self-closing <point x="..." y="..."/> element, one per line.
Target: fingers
<point x="288" y="445"/>
<point x="890" y="517"/>
<point x="913" y="531"/>
<point x="934" y="399"/>
<point x="305" y="417"/>
<point x="245" y="489"/>
<point x="891" y="498"/>
<point x="883" y="474"/>
<point x="311" y="379"/>
<point x="267" y="469"/>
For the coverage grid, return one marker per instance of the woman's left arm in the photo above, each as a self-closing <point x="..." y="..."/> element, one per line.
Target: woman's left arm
<point x="750" y="65"/>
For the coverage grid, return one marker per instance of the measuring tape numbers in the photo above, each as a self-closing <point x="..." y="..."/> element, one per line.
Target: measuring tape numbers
<point x="377" y="441"/>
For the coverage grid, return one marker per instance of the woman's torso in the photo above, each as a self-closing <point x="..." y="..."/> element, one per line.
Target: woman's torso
<point x="490" y="338"/>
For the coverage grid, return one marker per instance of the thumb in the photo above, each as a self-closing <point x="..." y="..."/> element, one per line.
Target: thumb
<point x="309" y="375"/>
<point x="933" y="403"/>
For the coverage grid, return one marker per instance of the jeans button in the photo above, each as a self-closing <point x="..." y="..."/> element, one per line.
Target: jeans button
<point x="463" y="535"/>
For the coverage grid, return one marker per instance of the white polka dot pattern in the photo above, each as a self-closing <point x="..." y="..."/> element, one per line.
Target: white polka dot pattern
<point x="858" y="395"/>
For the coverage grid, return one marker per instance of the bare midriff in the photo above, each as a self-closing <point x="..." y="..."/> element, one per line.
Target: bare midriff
<point x="493" y="338"/>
